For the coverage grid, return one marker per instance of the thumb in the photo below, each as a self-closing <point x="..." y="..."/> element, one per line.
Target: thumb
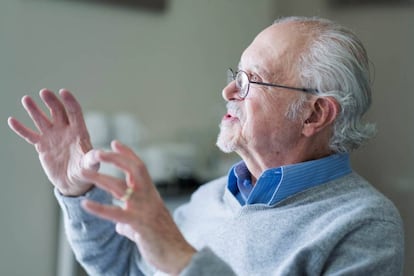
<point x="89" y="160"/>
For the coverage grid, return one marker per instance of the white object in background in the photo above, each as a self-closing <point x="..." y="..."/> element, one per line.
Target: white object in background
<point x="170" y="161"/>
<point x="99" y="128"/>
<point x="157" y="163"/>
<point x="127" y="129"/>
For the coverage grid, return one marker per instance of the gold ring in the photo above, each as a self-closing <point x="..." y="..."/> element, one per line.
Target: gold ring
<point x="128" y="193"/>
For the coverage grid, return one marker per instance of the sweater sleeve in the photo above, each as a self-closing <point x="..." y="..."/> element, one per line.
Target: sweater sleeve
<point x="205" y="262"/>
<point x="96" y="244"/>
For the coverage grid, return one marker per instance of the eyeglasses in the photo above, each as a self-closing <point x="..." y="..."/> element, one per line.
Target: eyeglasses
<point x="243" y="83"/>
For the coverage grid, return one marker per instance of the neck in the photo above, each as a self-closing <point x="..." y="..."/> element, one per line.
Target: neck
<point x="257" y="163"/>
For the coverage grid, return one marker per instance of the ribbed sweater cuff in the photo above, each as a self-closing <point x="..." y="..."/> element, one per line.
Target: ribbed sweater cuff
<point x="71" y="206"/>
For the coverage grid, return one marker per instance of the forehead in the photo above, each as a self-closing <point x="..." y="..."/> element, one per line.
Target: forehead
<point x="273" y="50"/>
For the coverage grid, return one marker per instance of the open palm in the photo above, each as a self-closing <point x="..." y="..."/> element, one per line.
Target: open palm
<point x="62" y="141"/>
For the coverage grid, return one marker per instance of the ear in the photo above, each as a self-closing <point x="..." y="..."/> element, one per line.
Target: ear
<point x="324" y="111"/>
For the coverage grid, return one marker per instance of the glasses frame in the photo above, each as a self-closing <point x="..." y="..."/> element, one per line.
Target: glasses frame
<point x="233" y="76"/>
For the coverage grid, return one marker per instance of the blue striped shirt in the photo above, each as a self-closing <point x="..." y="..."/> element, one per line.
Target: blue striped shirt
<point x="276" y="184"/>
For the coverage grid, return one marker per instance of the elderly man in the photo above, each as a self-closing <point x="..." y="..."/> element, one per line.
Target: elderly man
<point x="293" y="206"/>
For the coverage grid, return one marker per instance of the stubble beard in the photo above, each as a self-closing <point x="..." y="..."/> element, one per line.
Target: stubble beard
<point x="227" y="139"/>
<point x="230" y="132"/>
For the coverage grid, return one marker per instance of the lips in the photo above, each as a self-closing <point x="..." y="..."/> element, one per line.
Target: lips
<point x="233" y="112"/>
<point x="230" y="116"/>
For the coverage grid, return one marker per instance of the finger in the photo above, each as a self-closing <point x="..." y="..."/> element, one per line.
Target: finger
<point x="123" y="149"/>
<point x="38" y="116"/>
<point x="108" y="212"/>
<point x="117" y="146"/>
<point x="73" y="110"/>
<point x="135" y="170"/>
<point x="27" y="134"/>
<point x="56" y="107"/>
<point x="110" y="184"/>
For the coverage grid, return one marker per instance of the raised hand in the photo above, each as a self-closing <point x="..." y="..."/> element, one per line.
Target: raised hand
<point x="144" y="217"/>
<point x="62" y="141"/>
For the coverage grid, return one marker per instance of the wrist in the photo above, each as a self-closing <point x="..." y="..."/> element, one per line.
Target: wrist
<point x="75" y="192"/>
<point x="181" y="263"/>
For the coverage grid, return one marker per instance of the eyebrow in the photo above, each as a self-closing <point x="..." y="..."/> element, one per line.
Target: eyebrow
<point x="258" y="70"/>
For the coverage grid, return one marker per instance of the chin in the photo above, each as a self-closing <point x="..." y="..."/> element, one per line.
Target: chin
<point x="226" y="141"/>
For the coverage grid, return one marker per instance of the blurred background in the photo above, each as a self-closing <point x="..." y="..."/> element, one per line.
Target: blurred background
<point x="156" y="69"/>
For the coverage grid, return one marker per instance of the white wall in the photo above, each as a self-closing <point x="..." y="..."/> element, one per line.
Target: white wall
<point x="166" y="68"/>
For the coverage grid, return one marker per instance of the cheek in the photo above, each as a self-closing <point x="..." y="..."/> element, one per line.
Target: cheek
<point x="268" y="119"/>
<point x="259" y="119"/>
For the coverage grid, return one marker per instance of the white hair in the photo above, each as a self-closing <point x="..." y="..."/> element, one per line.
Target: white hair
<point x="336" y="64"/>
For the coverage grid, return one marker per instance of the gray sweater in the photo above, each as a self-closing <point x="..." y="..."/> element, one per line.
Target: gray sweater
<point x="344" y="227"/>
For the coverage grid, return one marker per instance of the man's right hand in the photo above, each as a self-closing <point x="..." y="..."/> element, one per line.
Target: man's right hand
<point x="62" y="141"/>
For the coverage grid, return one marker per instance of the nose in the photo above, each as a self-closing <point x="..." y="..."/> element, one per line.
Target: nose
<point x="231" y="92"/>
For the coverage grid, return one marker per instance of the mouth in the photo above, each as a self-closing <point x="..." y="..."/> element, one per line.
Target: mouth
<point x="233" y="113"/>
<point x="229" y="117"/>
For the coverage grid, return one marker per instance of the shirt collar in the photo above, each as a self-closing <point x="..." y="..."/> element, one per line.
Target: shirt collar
<point x="276" y="184"/>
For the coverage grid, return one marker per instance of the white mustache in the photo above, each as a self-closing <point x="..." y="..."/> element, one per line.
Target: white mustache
<point x="234" y="110"/>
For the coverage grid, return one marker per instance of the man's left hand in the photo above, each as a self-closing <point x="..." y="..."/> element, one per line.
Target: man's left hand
<point x="143" y="218"/>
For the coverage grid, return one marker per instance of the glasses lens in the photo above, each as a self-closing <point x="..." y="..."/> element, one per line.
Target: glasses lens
<point x="242" y="82"/>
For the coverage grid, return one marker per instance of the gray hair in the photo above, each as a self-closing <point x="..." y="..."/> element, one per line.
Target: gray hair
<point x="335" y="63"/>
